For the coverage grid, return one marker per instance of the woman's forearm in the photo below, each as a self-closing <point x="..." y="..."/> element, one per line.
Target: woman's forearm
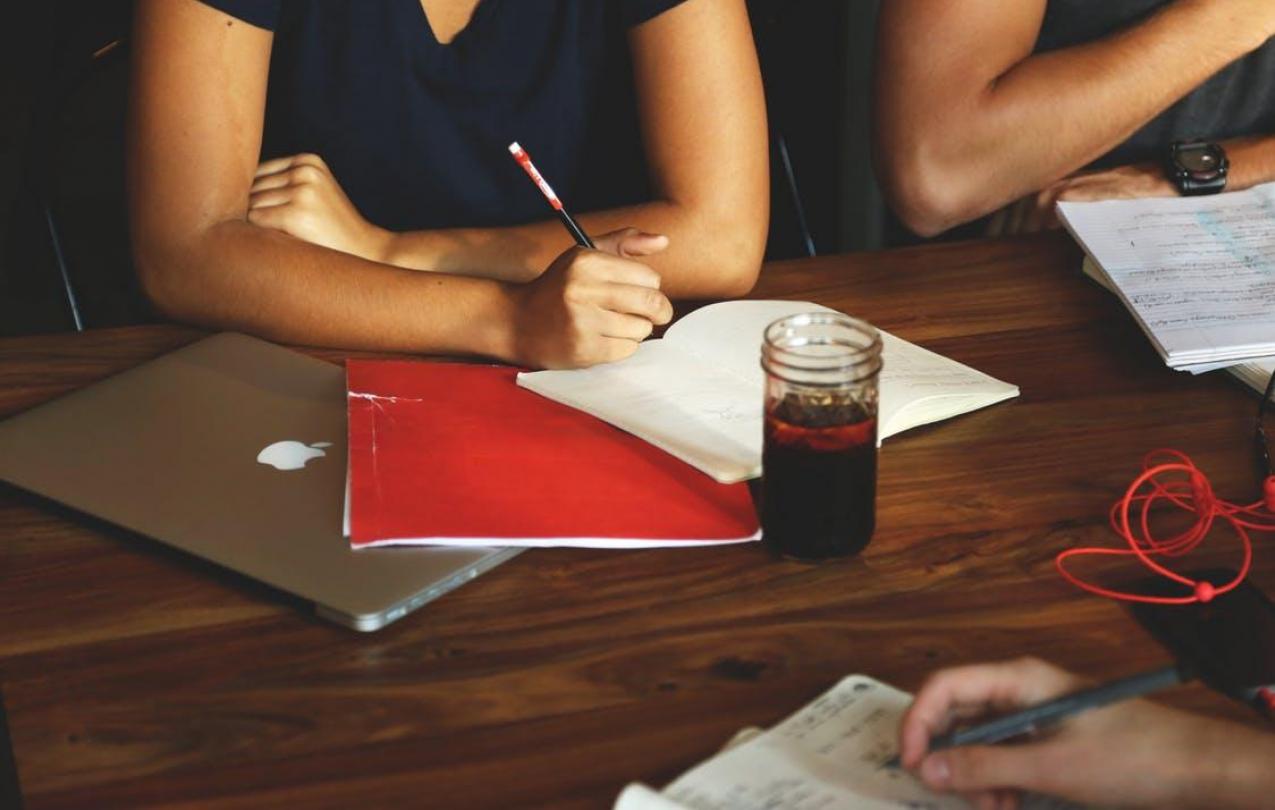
<point x="235" y="275"/>
<point x="709" y="255"/>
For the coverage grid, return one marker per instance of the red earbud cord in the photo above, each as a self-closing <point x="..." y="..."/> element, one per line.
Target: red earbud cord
<point x="1171" y="476"/>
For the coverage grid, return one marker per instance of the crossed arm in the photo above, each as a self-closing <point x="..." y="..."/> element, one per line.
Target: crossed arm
<point x="968" y="119"/>
<point x="304" y="274"/>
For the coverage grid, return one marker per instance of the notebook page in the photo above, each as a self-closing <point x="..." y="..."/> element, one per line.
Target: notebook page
<point x="1198" y="272"/>
<point x="702" y="414"/>
<point x="1091" y="269"/>
<point x="730" y="334"/>
<point x="919" y="386"/>
<point x="827" y="756"/>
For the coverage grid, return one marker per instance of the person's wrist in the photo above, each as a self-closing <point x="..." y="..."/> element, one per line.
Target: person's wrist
<point x="382" y="245"/>
<point x="1237" y="764"/>
<point x="499" y="331"/>
<point x="1199" y="771"/>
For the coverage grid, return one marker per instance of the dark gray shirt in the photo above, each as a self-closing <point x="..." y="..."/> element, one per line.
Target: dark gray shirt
<point x="1237" y="101"/>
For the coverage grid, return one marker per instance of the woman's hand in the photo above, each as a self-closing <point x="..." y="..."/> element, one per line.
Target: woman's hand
<point x="591" y="306"/>
<point x="299" y="196"/>
<point x="1134" y="754"/>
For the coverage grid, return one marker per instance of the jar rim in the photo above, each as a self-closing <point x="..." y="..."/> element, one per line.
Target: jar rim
<point x="860" y="361"/>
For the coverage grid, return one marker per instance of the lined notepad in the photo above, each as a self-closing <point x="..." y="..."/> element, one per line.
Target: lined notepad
<point x="1198" y="273"/>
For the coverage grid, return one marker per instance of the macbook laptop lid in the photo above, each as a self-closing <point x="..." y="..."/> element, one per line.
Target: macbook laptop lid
<point x="234" y="450"/>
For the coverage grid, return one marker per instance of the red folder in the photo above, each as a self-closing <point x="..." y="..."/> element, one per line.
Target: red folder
<point x="457" y="454"/>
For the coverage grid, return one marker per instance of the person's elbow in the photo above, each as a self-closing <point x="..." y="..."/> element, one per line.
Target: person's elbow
<point x="741" y="265"/>
<point x="929" y="193"/>
<point x="156" y="277"/>
<point x="164" y="266"/>
<point x="734" y="256"/>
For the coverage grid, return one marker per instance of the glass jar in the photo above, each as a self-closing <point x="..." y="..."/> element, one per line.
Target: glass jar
<point x="819" y="459"/>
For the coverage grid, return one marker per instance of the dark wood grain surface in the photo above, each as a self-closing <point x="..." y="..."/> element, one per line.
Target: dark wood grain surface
<point x="135" y="677"/>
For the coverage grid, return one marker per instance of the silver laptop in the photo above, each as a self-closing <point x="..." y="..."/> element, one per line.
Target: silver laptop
<point x="234" y="450"/>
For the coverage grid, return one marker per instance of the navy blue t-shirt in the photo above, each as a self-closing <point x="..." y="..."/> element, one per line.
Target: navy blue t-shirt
<point x="416" y="132"/>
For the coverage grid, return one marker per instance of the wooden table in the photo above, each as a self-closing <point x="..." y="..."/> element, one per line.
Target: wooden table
<point x="133" y="676"/>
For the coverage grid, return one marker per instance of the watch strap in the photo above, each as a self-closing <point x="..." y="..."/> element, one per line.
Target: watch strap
<point x="1191" y="187"/>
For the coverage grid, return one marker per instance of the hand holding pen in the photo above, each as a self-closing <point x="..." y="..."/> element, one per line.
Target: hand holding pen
<point x="1133" y="753"/>
<point x="594" y="304"/>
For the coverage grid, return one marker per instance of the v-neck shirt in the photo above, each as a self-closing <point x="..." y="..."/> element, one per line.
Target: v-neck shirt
<point x="416" y="131"/>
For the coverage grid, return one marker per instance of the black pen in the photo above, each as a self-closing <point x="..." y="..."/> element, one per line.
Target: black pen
<point x="1046" y="714"/>
<point x="524" y="160"/>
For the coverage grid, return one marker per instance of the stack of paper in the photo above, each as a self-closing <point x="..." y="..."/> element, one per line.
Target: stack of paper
<point x="1255" y="373"/>
<point x="1198" y="273"/>
<point x="830" y="755"/>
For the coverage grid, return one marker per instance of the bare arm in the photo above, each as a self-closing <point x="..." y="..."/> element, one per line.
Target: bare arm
<point x="968" y="119"/>
<point x="1252" y="162"/>
<point x="703" y="123"/>
<point x="196" y="108"/>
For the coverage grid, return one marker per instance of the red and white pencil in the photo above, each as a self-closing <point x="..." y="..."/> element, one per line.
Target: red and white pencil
<point x="524" y="160"/>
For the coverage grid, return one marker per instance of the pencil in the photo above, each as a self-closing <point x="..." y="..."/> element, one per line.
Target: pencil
<point x="1056" y="710"/>
<point x="573" y="227"/>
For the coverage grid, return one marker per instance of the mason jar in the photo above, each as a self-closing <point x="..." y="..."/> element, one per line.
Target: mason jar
<point x="819" y="459"/>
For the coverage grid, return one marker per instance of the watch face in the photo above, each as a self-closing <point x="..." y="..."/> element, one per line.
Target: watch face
<point x="1200" y="160"/>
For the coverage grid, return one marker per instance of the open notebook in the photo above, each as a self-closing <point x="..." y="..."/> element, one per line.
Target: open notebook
<point x="697" y="392"/>
<point x="1194" y="271"/>
<point x="829" y="755"/>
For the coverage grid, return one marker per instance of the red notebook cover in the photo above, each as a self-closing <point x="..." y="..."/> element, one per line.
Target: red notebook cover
<point x="457" y="454"/>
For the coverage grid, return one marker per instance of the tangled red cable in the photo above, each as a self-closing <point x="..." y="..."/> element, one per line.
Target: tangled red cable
<point x="1171" y="476"/>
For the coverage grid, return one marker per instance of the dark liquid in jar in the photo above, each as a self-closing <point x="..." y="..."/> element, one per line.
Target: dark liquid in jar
<point x="819" y="481"/>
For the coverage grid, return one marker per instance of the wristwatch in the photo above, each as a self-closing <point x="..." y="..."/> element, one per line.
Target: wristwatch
<point x="1197" y="167"/>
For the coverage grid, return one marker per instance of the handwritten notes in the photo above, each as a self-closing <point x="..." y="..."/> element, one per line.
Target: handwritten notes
<point x="1197" y="272"/>
<point x="827" y="756"/>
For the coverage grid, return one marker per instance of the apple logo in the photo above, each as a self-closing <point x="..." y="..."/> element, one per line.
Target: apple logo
<point x="290" y="454"/>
